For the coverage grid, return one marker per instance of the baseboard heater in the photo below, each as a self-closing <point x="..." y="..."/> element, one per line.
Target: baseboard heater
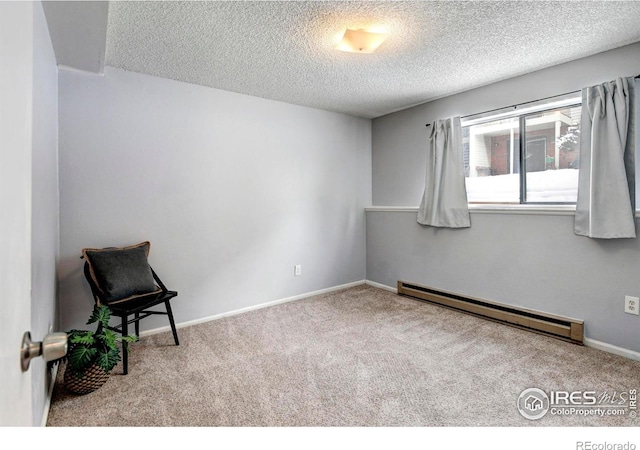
<point x="560" y="327"/>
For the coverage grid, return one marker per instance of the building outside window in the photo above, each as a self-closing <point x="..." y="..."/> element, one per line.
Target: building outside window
<point x="498" y="171"/>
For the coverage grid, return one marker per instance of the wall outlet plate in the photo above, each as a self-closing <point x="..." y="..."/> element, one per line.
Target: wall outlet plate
<point x="632" y="305"/>
<point x="297" y="270"/>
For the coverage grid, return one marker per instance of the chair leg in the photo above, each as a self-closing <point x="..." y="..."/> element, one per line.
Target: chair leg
<point x="125" y="346"/>
<point x="173" y="324"/>
<point x="138" y="325"/>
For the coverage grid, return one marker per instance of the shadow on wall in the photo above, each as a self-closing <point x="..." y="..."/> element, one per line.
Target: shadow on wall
<point x="75" y="298"/>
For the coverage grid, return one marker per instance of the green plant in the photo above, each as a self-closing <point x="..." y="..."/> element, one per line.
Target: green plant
<point x="86" y="348"/>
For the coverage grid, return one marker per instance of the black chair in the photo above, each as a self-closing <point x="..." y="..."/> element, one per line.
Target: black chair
<point x="123" y="280"/>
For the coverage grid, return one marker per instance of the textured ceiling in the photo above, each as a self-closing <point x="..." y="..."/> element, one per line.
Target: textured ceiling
<point x="284" y="50"/>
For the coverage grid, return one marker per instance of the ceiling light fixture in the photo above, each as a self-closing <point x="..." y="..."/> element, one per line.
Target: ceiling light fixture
<point x="360" y="41"/>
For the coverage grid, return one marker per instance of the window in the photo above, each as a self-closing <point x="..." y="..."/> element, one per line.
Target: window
<point x="530" y="156"/>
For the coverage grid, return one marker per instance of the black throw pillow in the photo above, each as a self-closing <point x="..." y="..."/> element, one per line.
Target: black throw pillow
<point x="121" y="273"/>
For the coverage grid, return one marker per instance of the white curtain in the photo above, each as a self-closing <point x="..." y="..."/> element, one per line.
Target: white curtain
<point x="444" y="202"/>
<point x="606" y="189"/>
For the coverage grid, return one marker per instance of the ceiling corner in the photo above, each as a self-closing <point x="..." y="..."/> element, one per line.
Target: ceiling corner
<point x="78" y="31"/>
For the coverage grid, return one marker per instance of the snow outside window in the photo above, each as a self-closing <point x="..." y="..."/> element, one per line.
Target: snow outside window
<point x="499" y="170"/>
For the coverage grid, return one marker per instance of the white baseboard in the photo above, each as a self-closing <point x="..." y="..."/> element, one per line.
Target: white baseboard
<point x="612" y="349"/>
<point x="626" y="353"/>
<point x="381" y="286"/>
<point x="630" y="354"/>
<point x="252" y="308"/>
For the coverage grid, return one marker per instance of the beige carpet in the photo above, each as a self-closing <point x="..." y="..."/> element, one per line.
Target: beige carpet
<point x="357" y="357"/>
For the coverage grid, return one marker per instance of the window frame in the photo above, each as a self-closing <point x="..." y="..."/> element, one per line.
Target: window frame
<point x="521" y="112"/>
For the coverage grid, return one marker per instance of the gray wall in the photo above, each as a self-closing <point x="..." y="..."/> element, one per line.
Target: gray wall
<point x="78" y="31"/>
<point x="231" y="190"/>
<point x="44" y="212"/>
<point x="533" y="261"/>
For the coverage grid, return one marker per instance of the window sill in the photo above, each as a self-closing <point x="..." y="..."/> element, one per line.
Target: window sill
<point x="543" y="210"/>
<point x="548" y="210"/>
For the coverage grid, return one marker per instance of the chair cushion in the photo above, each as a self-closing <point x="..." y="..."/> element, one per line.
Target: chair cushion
<point x="121" y="273"/>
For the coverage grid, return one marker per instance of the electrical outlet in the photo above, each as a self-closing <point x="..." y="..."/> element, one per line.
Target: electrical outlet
<point x="631" y="305"/>
<point x="297" y="270"/>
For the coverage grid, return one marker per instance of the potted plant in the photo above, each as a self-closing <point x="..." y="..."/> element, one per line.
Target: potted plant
<point x="92" y="354"/>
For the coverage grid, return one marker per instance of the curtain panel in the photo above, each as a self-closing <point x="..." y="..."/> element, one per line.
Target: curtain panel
<point x="605" y="208"/>
<point x="444" y="202"/>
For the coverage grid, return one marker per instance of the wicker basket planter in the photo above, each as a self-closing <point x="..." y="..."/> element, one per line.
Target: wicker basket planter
<point x="93" y="379"/>
<point x="92" y="353"/>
